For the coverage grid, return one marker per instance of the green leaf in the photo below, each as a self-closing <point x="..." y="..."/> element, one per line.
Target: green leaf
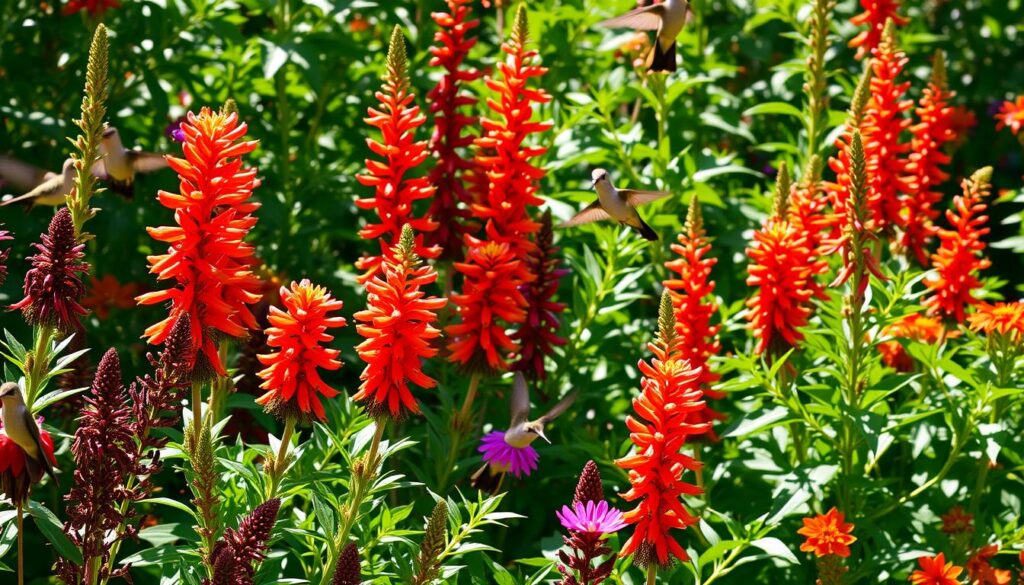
<point x="173" y="504"/>
<point x="54" y="532"/>
<point x="774" y="108"/>
<point x="776" y="549"/>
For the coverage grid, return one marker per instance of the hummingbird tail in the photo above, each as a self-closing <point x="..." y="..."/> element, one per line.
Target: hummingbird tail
<point x="486" y="480"/>
<point x="662" y="60"/>
<point x="646" y="232"/>
<point x="125" y="189"/>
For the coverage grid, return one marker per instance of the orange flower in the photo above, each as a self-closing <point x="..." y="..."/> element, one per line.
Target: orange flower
<point x="827" y="534"/>
<point x="980" y="570"/>
<point x="694" y="305"/>
<point x="207" y="254"/>
<point x="808" y="217"/>
<point x="291" y="378"/>
<point x="670" y="395"/>
<point x="936" y="571"/>
<point x="490" y="300"/>
<point x="917" y="327"/>
<point x="961" y="252"/>
<point x="1011" y="115"/>
<point x="876" y="14"/>
<point x="957" y="521"/>
<point x="394" y="192"/>
<point x="398" y="326"/>
<point x="1000" y="318"/>
<point x="107" y="293"/>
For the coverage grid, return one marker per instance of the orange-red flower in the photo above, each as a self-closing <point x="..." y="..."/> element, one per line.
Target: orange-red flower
<point x="292" y="378"/>
<point x="929" y="137"/>
<point x="449" y="207"/>
<point x="512" y="179"/>
<point x="395" y="193"/>
<point x="807" y="215"/>
<point x="207" y="255"/>
<point x="961" y="252"/>
<point x="936" y="571"/>
<point x="670" y="394"/>
<point x="1002" y="318"/>
<point x="694" y="305"/>
<point x="957" y="521"/>
<point x="490" y="301"/>
<point x="1011" y="115"/>
<point x="980" y="570"/>
<point x="876" y="14"/>
<point x="916" y="327"/>
<point x="827" y="534"/>
<point x="398" y="325"/>
<point x="107" y="293"/>
<point x="538" y="333"/>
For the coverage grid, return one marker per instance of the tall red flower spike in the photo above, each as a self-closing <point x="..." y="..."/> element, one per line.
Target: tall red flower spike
<point x="670" y="394"/>
<point x="809" y="217"/>
<point x="292" y="378"/>
<point x="961" y="254"/>
<point x="876" y="14"/>
<point x="449" y="207"/>
<point x="512" y="178"/>
<point x="490" y="301"/>
<point x="838" y="192"/>
<point x="781" y="271"/>
<point x="538" y="334"/>
<point x="207" y="255"/>
<point x="885" y="121"/>
<point x="398" y="325"/>
<point x="394" y="192"/>
<point x="930" y="135"/>
<point x="693" y="304"/>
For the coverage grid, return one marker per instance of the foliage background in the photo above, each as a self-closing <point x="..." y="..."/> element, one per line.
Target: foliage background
<point x="303" y="76"/>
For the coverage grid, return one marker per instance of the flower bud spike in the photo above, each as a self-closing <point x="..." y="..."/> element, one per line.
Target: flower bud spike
<point x="398" y="62"/>
<point x="861" y="95"/>
<point x="780" y="199"/>
<point x="521" y="27"/>
<point x="939" y="75"/>
<point x="694" y="217"/>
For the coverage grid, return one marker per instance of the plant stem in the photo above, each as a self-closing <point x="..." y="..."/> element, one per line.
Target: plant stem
<point x="21" y="545"/>
<point x="197" y="413"/>
<point x="652" y="573"/>
<point x="281" y="459"/>
<point x="40" y="364"/>
<point x="467" y="404"/>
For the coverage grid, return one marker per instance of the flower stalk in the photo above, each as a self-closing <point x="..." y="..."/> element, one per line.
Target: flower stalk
<point x="92" y="125"/>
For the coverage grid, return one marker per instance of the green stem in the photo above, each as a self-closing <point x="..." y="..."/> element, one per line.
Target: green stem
<point x="21" y="544"/>
<point x="281" y="459"/>
<point x="197" y="413"/>
<point x="467" y="404"/>
<point x="726" y="567"/>
<point x="652" y="573"/>
<point x="40" y="365"/>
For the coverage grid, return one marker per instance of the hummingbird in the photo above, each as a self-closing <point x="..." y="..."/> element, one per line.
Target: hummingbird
<point x="668" y="18"/>
<point x="120" y="164"/>
<point x="47" y="187"/>
<point x="521" y="433"/>
<point x="617" y="204"/>
<point x="24" y="431"/>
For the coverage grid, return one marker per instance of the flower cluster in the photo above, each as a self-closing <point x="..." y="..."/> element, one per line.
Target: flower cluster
<point x="588" y="521"/>
<point x="53" y="286"/>
<point x="207" y="255"/>
<point x="875" y="16"/>
<point x="347" y="570"/>
<point x="957" y="521"/>
<point x="827" y="534"/>
<point x="291" y="377"/>
<point x="808" y="216"/>
<point x="394" y="192"/>
<point x="936" y="571"/>
<point x="670" y="393"/>
<point x="449" y="207"/>
<point x="1011" y="115"/>
<point x="980" y="570"/>
<point x="16" y="476"/>
<point x="398" y="325"/>
<point x="538" y="334"/>
<point x="1004" y="319"/>
<point x="234" y="554"/>
<point x="914" y="327"/>
<point x="961" y="252"/>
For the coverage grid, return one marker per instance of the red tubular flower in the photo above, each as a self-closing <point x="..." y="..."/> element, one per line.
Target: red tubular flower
<point x="291" y="378"/>
<point x="398" y="325"/>
<point x="1011" y="115"/>
<point x="93" y="7"/>
<point x="670" y="394"/>
<point x="53" y="288"/>
<point x="694" y="305"/>
<point x="889" y="178"/>
<point x="394" y="192"/>
<point x="876" y="14"/>
<point x="807" y="215"/>
<point x="207" y="254"/>
<point x="512" y="178"/>
<point x="489" y="302"/>
<point x="827" y="534"/>
<point x="15" y="479"/>
<point x="448" y="207"/>
<point x="927" y="158"/>
<point x="961" y="252"/>
<point x="538" y="334"/>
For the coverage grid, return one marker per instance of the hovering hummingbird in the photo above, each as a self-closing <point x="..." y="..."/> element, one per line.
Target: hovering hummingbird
<point x="668" y="18"/>
<point x="24" y="431"/>
<point x="47" y="187"/>
<point x="510" y="451"/>
<point x="120" y="164"/>
<point x="617" y="204"/>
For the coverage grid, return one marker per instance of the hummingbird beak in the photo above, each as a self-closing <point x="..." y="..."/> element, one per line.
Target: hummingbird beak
<point x="540" y="433"/>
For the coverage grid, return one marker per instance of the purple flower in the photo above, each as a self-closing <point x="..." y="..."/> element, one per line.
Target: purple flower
<point x="174" y="131"/>
<point x="591" y="517"/>
<point x="518" y="461"/>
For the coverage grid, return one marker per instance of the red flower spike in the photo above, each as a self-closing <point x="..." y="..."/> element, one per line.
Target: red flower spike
<point x="292" y="378"/>
<point x="394" y="192"/>
<point x="694" y="305"/>
<point x="936" y="571"/>
<point x="827" y="534"/>
<point x="808" y="216"/>
<point x="398" y="325"/>
<point x="927" y="158"/>
<point x="961" y="252"/>
<point x="490" y="301"/>
<point x="538" y="334"/>
<point x="207" y="255"/>
<point x="511" y="177"/>
<point x="876" y="14"/>
<point x="670" y="394"/>
<point x="838" y="192"/>
<point x="449" y="207"/>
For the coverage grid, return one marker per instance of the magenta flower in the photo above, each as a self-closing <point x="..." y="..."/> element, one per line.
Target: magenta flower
<point x="591" y="517"/>
<point x="501" y="456"/>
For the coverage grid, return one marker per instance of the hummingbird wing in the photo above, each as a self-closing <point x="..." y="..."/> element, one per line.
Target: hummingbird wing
<point x="637" y="198"/>
<point x="560" y="407"/>
<point x="33" y="431"/>
<point x="146" y="162"/>
<point x="42" y="193"/>
<point x="20" y="174"/>
<point x="519" y="403"/>
<point x="643" y="18"/>
<point x="591" y="213"/>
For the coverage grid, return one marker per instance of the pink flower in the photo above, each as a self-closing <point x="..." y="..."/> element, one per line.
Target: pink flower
<point x="518" y="461"/>
<point x="591" y="517"/>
